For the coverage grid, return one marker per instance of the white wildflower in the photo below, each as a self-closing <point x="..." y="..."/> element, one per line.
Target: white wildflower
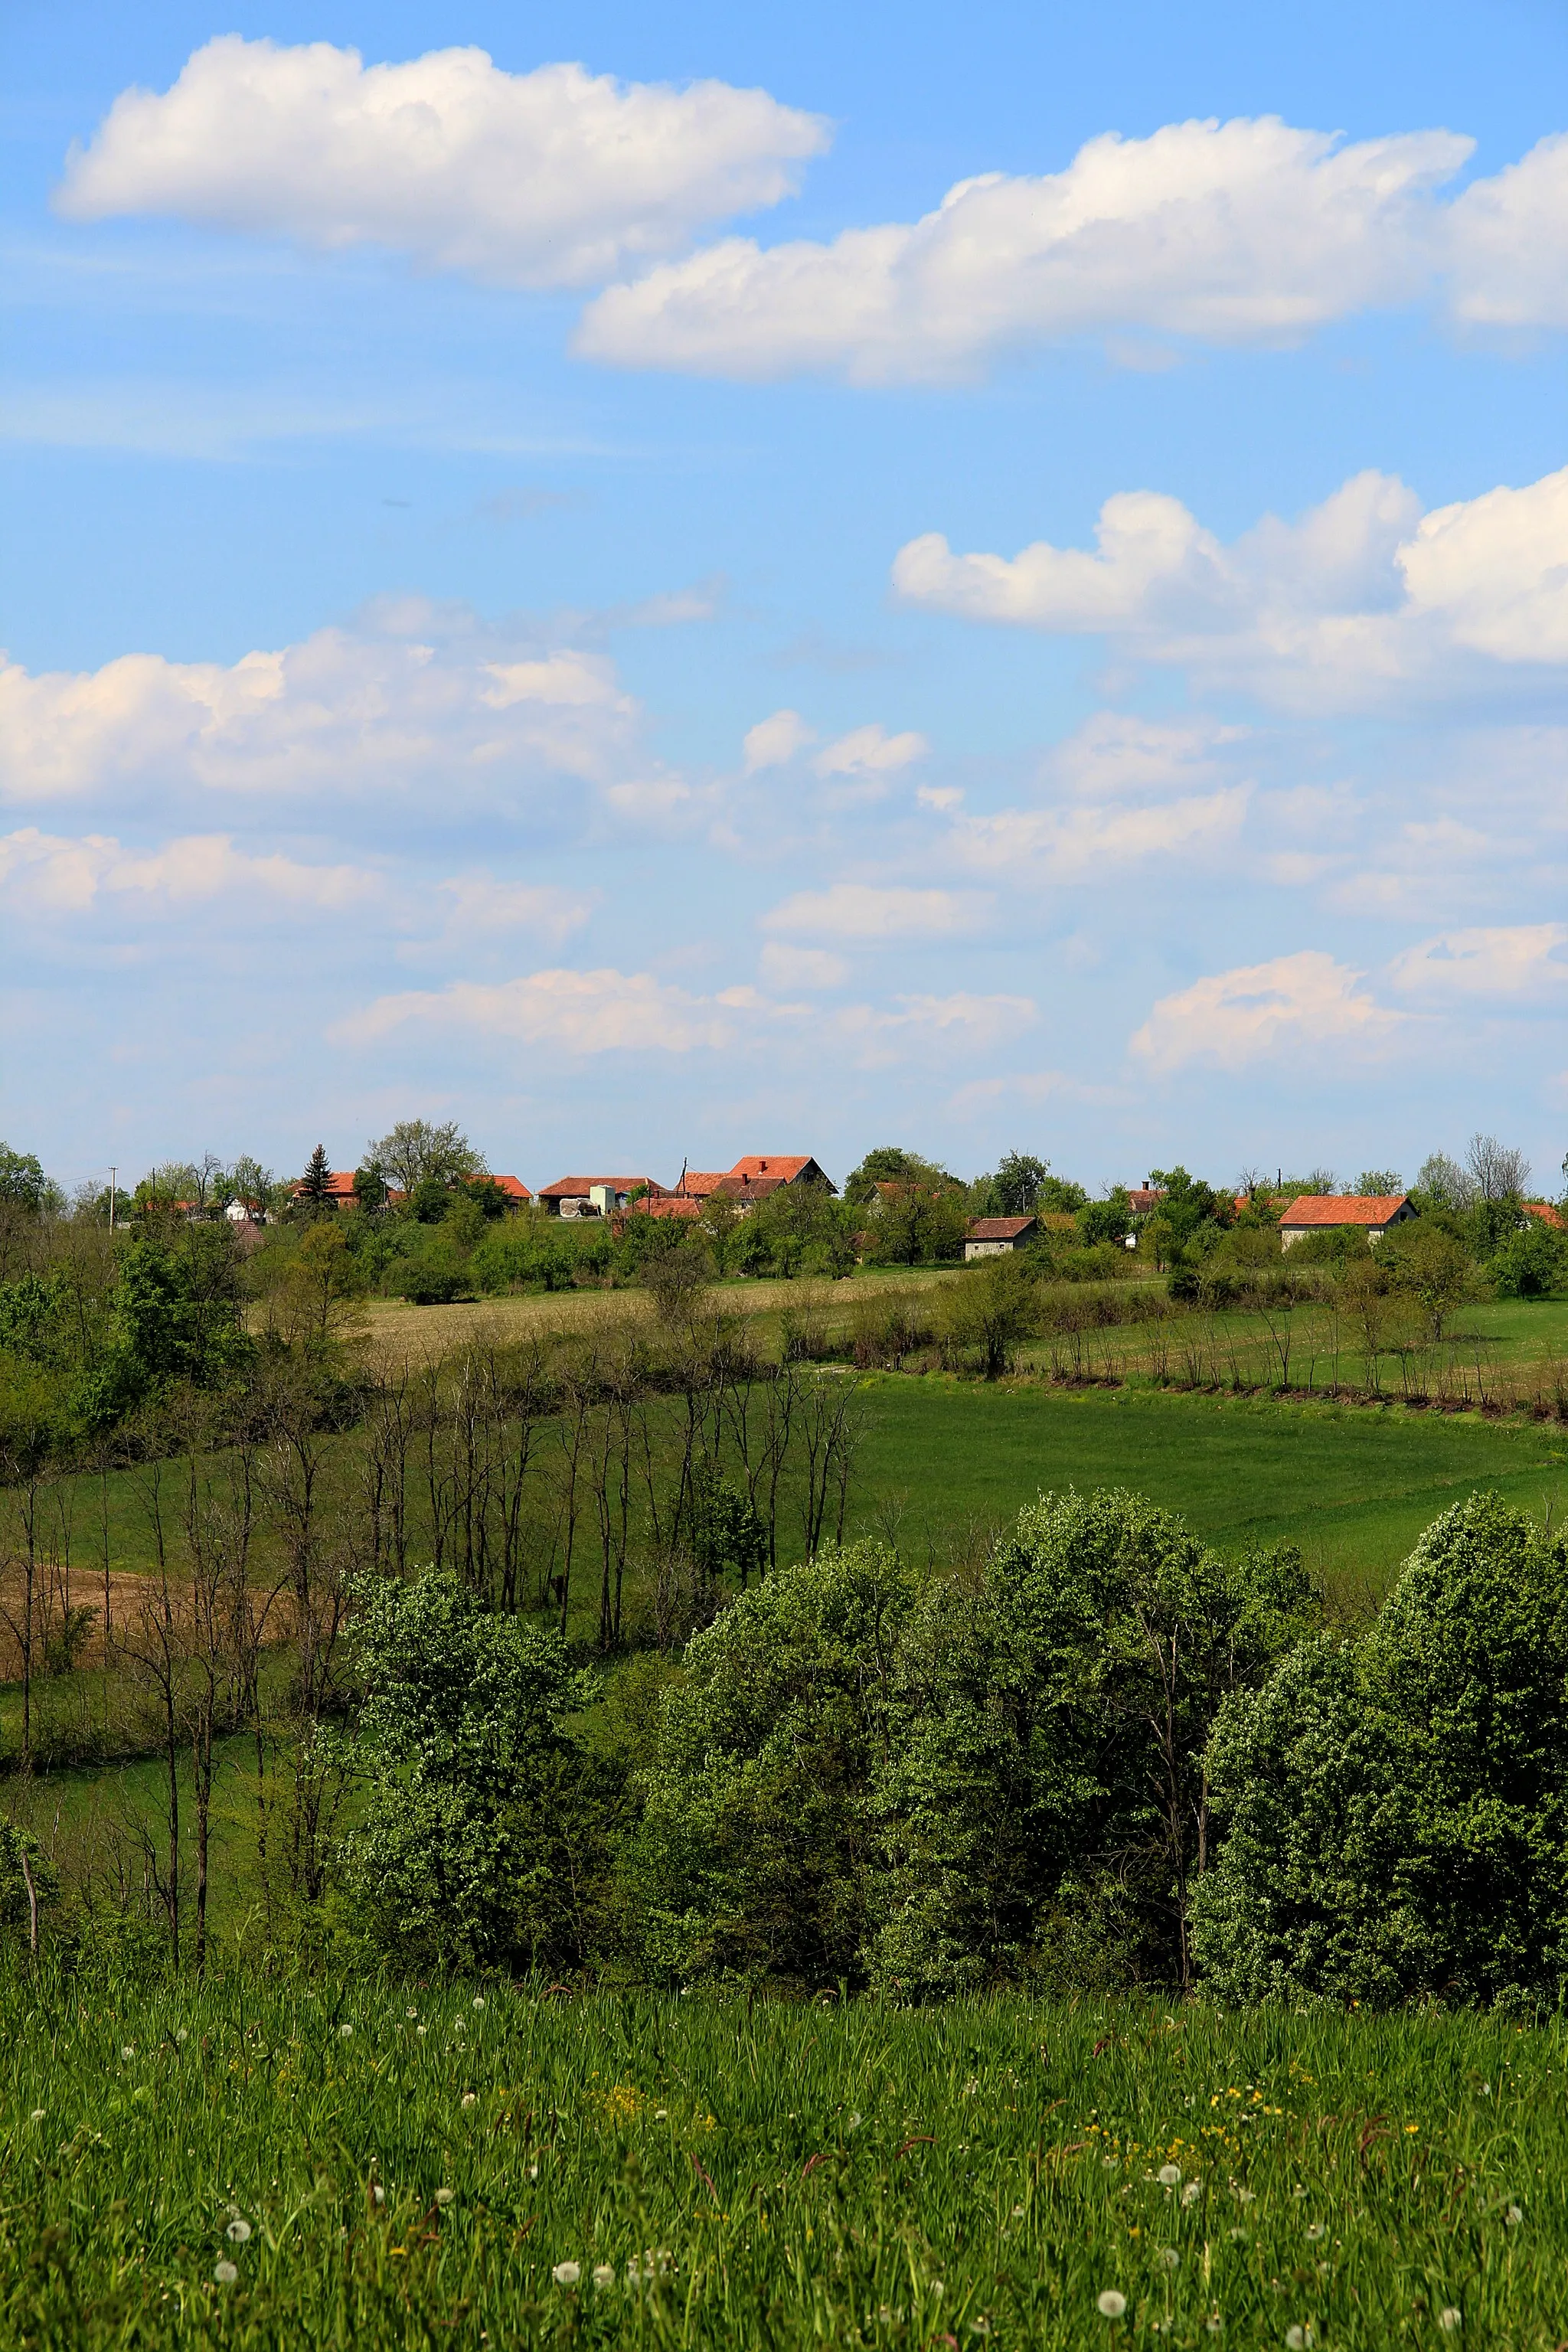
<point x="1169" y="2257"/>
<point x="1191" y="2193"/>
<point x="1513" y="2217"/>
<point x="1315" y="2231"/>
<point x="224" y="2274"/>
<point x="1298" y="2339"/>
<point x="478" y="2000"/>
<point x="37" y="2115"/>
<point x="378" y="2193"/>
<point x="1168" y="2174"/>
<point x="238" y="2232"/>
<point x="444" y="2196"/>
<point x="128" y="2050"/>
<point x="411" y="2012"/>
<point x="469" y="2099"/>
<point x="567" y="2273"/>
<point x="603" y="2274"/>
<point x="1109" y="2304"/>
<point x="345" y="2033"/>
<point x="1449" y="2319"/>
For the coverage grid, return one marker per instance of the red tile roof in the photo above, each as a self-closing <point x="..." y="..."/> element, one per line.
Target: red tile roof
<point x="577" y="1188"/>
<point x="1545" y="1213"/>
<point x="669" y="1205"/>
<point x="999" y="1229"/>
<point x="695" y="1183"/>
<point x="786" y="1168"/>
<point x="1141" y="1201"/>
<point x="1345" y="1209"/>
<point x="510" y="1187"/>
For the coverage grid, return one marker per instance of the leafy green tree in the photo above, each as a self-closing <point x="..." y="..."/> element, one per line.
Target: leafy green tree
<point x="176" y="1319"/>
<point x="891" y="1164"/>
<point x="1108" y="1219"/>
<point x="1044" y="1776"/>
<point x="1530" y="1264"/>
<point x="1379" y="1183"/>
<point x="417" y="1148"/>
<point x="1190" y="1205"/>
<point x="485" y="1835"/>
<point x="753" y="1857"/>
<point x="430" y="1200"/>
<point x="23" y="1183"/>
<point x="1015" y="1189"/>
<point x="989" y="1309"/>
<point x="1429" y="1265"/>
<point x="1396" y="1811"/>
<point x="370" y="1186"/>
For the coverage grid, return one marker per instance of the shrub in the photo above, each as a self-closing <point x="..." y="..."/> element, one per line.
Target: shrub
<point x="521" y="1257"/>
<point x="1529" y="1264"/>
<point x="431" y="1270"/>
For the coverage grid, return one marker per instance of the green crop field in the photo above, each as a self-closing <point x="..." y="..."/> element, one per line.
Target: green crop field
<point x="944" y="1463"/>
<point x="363" y="2166"/>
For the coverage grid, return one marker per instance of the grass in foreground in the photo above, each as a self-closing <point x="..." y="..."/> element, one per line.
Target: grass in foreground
<point x="357" y="2166"/>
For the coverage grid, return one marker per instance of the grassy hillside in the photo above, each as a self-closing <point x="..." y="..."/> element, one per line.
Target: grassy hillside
<point x="361" y="2166"/>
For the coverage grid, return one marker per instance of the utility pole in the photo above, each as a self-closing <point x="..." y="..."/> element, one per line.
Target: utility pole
<point x="112" y="1174"/>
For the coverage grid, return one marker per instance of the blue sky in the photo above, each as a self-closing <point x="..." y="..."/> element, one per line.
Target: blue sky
<point x="705" y="580"/>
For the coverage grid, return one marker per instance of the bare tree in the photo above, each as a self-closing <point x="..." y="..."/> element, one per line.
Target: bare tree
<point x="1498" y="1170"/>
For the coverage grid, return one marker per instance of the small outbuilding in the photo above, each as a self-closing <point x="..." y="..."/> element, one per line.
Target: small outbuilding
<point x="995" y="1236"/>
<point x="1325" y="1212"/>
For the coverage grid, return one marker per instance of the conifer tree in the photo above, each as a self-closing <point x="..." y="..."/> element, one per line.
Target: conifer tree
<point x="315" y="1185"/>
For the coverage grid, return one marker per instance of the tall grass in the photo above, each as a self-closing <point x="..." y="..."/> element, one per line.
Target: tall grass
<point x="383" y="2168"/>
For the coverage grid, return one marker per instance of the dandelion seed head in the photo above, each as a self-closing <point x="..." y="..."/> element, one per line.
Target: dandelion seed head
<point x="238" y="2232"/>
<point x="128" y="2050"/>
<point x="1298" y="2339"/>
<point x="422" y="2029"/>
<point x="1168" y="2174"/>
<point x="345" y="2033"/>
<point x="603" y="2274"/>
<point x="37" y="2115"/>
<point x="411" y="2012"/>
<point x="1449" y="2318"/>
<point x="224" y="2274"/>
<point x="567" y="2273"/>
<point x="469" y="2099"/>
<point x="1110" y="2303"/>
<point x="534" y="2171"/>
<point x="1169" y="2257"/>
<point x="444" y="2196"/>
<point x="1513" y="2217"/>
<point x="478" y="2000"/>
<point x="1314" y="2230"/>
<point x="1191" y="2193"/>
<point x="378" y="2193"/>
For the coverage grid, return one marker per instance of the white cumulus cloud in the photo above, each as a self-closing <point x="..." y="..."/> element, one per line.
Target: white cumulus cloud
<point x="557" y="177"/>
<point x="575" y="1012"/>
<point x="773" y="742"/>
<point x="1357" y="600"/>
<point x="869" y="752"/>
<point x="1082" y="845"/>
<point x="783" y="965"/>
<point x="53" y="873"/>
<point x="1292" y="1005"/>
<point x="864" y="911"/>
<point x="410" y="699"/>
<point x="1240" y="232"/>
<point x="1512" y="959"/>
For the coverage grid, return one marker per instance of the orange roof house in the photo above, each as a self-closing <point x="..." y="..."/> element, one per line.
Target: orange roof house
<point x="1324" y="1212"/>
<point x="1545" y="1214"/>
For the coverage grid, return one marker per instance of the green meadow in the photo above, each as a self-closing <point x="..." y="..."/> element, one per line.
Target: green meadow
<point x="359" y="2164"/>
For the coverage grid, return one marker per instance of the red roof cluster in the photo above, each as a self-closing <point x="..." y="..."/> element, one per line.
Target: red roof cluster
<point x="1345" y="1209"/>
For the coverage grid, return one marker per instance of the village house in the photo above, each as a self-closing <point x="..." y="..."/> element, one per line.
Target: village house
<point x="996" y="1236"/>
<point x="595" y="1196"/>
<point x="1324" y="1213"/>
<point x="752" y="1179"/>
